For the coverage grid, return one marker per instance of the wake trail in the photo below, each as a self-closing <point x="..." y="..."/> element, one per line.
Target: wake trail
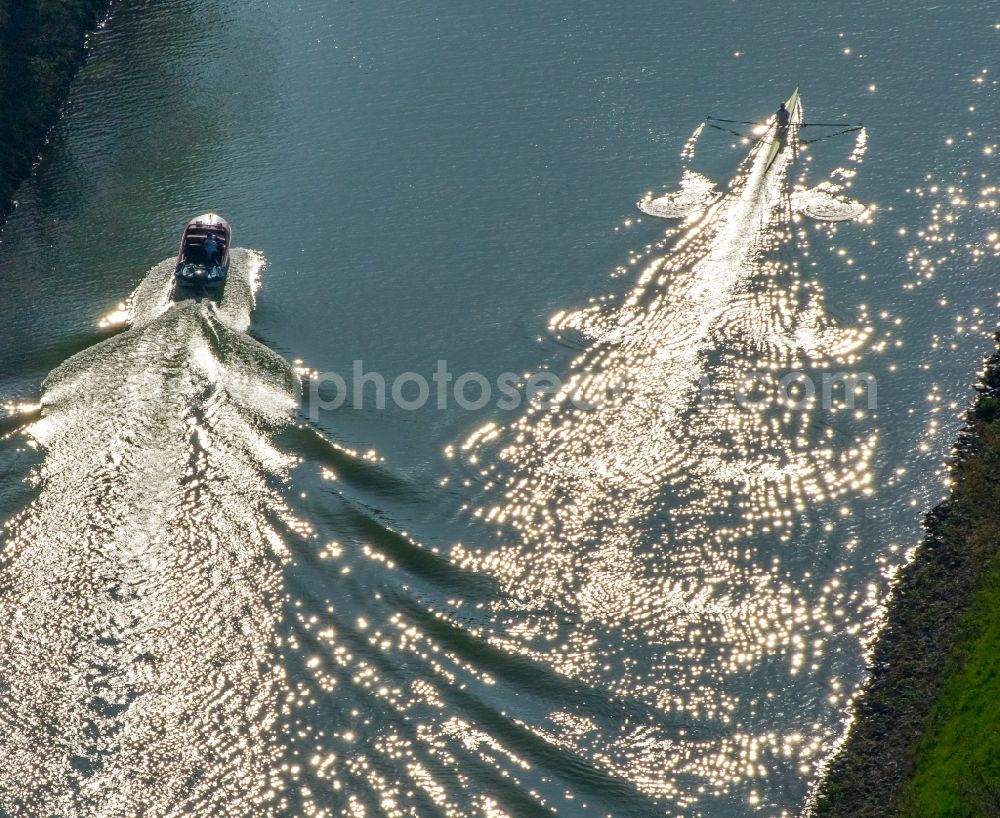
<point x="644" y="512"/>
<point x="138" y="589"/>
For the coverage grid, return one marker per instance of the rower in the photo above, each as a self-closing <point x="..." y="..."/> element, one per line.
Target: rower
<point x="783" y="115"/>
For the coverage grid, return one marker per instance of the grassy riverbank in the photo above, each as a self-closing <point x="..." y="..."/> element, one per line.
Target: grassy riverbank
<point x="41" y="47"/>
<point x="926" y="740"/>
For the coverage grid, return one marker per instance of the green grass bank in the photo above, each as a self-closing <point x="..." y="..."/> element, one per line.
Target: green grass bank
<point x="926" y="737"/>
<point x="41" y="48"/>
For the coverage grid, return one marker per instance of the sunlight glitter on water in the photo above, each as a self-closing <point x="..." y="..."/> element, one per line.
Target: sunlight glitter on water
<point x="712" y="591"/>
<point x="139" y="587"/>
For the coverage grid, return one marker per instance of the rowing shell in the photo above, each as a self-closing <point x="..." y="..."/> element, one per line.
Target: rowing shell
<point x="782" y="137"/>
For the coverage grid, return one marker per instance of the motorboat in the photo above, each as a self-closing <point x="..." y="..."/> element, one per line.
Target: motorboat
<point x="203" y="258"/>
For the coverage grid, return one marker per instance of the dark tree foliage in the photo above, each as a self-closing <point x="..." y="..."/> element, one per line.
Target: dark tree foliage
<point x="41" y="47"/>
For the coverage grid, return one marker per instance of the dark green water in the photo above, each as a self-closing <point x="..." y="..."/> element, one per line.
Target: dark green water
<point x="214" y="603"/>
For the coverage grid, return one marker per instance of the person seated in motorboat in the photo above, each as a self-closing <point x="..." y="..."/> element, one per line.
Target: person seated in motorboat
<point x="212" y="250"/>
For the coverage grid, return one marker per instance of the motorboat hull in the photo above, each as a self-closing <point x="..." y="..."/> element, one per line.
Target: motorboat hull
<point x="196" y="269"/>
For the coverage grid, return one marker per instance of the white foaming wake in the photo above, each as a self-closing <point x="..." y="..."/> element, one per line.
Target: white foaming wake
<point x="825" y="203"/>
<point x="627" y="507"/>
<point x="696" y="193"/>
<point x="137" y="590"/>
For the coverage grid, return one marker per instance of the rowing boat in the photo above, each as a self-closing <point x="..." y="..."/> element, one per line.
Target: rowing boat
<point x="782" y="137"/>
<point x="763" y="156"/>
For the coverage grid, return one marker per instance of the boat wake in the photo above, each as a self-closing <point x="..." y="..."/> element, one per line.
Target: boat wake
<point x="696" y="193"/>
<point x="137" y="590"/>
<point x="826" y="203"/>
<point x="646" y="514"/>
<point x="176" y="639"/>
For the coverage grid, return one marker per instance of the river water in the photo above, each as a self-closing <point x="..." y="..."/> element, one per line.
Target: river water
<point x="637" y="577"/>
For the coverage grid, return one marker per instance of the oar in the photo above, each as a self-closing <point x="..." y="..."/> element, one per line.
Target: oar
<point x="727" y="130"/>
<point x="832" y="125"/>
<point x="733" y="121"/>
<point x="830" y="135"/>
<point x="797" y="124"/>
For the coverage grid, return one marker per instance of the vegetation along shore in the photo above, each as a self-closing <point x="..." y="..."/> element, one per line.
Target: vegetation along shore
<point x="41" y="48"/>
<point x="926" y="738"/>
